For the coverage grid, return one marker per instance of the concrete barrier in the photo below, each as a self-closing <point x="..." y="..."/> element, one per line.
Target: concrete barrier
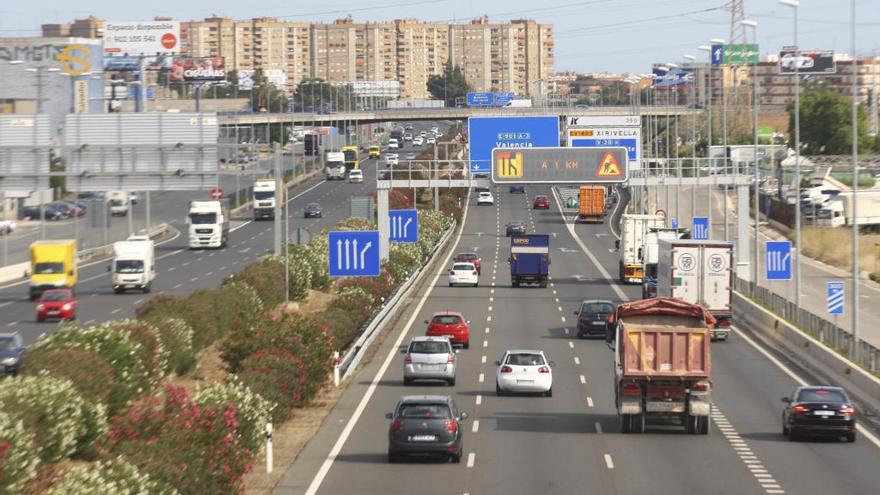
<point x="820" y="359"/>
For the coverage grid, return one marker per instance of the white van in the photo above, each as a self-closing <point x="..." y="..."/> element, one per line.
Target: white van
<point x="393" y="144"/>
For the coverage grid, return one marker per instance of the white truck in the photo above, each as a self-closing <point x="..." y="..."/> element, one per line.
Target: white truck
<point x="650" y="255"/>
<point x="264" y="198"/>
<point x="335" y="165"/>
<point x="208" y="224"/>
<point x="838" y="211"/>
<point x="118" y="202"/>
<point x="519" y="104"/>
<point x="633" y="230"/>
<point x="134" y="264"/>
<point x="699" y="272"/>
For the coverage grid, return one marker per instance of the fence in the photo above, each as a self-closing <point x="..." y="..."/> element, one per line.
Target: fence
<point x="819" y="328"/>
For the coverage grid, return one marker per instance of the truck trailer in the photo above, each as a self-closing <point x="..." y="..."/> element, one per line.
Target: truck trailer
<point x="529" y="259"/>
<point x="592" y="204"/>
<point x="650" y="255"/>
<point x="334" y="168"/>
<point x="633" y="230"/>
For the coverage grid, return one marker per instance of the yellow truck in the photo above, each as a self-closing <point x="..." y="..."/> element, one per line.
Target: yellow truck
<point x="351" y="157"/>
<point x="53" y="266"/>
<point x="374" y="152"/>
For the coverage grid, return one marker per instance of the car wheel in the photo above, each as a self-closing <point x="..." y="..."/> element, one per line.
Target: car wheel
<point x="702" y="425"/>
<point x="477" y="284"/>
<point x="851" y="437"/>
<point x="498" y="390"/>
<point x="450" y="284"/>
<point x="549" y="393"/>
<point x="451" y="382"/>
<point x="784" y="430"/>
<point x="455" y="458"/>
<point x="467" y="344"/>
<point x="793" y="435"/>
<point x="393" y="458"/>
<point x="407" y="381"/>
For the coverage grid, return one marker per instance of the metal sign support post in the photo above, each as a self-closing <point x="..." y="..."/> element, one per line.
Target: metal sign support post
<point x="743" y="253"/>
<point x="384" y="221"/>
<point x="279" y="184"/>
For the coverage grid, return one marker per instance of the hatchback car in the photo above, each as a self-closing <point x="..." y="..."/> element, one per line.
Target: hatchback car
<point x="485" y="198"/>
<point x="11" y="352"/>
<point x="470" y="258"/>
<point x="429" y="358"/>
<point x="356" y="176"/>
<point x="451" y="324"/>
<point x="823" y="411"/>
<point x="426" y="424"/>
<point x="541" y="203"/>
<point x="524" y="371"/>
<point x="431" y="140"/>
<point x="313" y="210"/>
<point x="516" y="228"/>
<point x="517" y="189"/>
<point x="463" y="273"/>
<point x="592" y="316"/>
<point x="392" y="159"/>
<point x="56" y="303"/>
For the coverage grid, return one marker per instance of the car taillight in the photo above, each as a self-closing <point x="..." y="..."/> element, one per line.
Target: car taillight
<point x="799" y="409"/>
<point x="631" y="389"/>
<point x="723" y="323"/>
<point x="407" y="359"/>
<point x="543" y="369"/>
<point x="701" y="386"/>
<point x="475" y="272"/>
<point x="506" y="369"/>
<point x="66" y="307"/>
<point x="847" y="410"/>
<point x="397" y="425"/>
<point x="450" y="359"/>
<point x="451" y="425"/>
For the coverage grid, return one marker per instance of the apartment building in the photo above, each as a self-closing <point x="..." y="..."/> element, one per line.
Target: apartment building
<point x="90" y="27"/>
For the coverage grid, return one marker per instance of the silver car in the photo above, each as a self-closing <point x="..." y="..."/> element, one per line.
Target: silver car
<point x="429" y="358"/>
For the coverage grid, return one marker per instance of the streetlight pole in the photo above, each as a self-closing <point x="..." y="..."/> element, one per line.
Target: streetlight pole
<point x="755" y="102"/>
<point x="855" y="185"/>
<point x="794" y="4"/>
<point x="692" y="60"/>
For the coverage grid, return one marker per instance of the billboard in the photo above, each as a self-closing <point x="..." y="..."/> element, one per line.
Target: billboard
<point x="276" y="77"/>
<point x="141" y="38"/>
<point x="197" y="69"/>
<point x="676" y="77"/>
<point x="379" y="89"/>
<point x="808" y="61"/>
<point x="559" y="165"/>
<point x="487" y="133"/>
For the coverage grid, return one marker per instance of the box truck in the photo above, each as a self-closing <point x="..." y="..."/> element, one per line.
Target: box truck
<point x="133" y="264"/>
<point x="264" y="198"/>
<point x="118" y="201"/>
<point x="53" y="266"/>
<point x="335" y="165"/>
<point x="650" y="254"/>
<point x="208" y="223"/>
<point x="529" y="259"/>
<point x="592" y="204"/>
<point x="634" y="229"/>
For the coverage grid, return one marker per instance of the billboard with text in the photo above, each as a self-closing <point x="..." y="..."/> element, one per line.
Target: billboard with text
<point x="197" y="69"/>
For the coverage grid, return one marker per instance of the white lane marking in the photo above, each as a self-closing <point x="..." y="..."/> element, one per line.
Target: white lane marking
<point x="479" y="400"/>
<point x="482" y="378"/>
<point x="491" y="291"/>
<point x="12" y="324"/>
<point x="489" y="318"/>
<point x="186" y="263"/>
<point x="485" y="343"/>
<point x="583" y="379"/>
<point x="490" y="308"/>
<point x="483" y="359"/>
<point x="577" y="360"/>
<point x="598" y="428"/>
<point x="88" y="322"/>
<point x="559" y="308"/>
<point x="392" y="353"/>
<point x="608" y="462"/>
<point x="7" y="303"/>
<point x="171" y="268"/>
<point x="471" y="458"/>
<point x="193" y="279"/>
<point x="570" y="344"/>
<point x="139" y="301"/>
<point x="563" y="319"/>
<point x="554" y="293"/>
<point x="209" y="274"/>
<point x="476" y="426"/>
<point x="566" y="331"/>
<point x="115" y="311"/>
<point x="491" y="299"/>
<point x="589" y="402"/>
<point x="487" y="329"/>
<point x="177" y="286"/>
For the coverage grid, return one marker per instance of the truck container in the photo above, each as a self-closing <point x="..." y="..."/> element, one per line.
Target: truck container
<point x="662" y="364"/>
<point x="650" y="254"/>
<point x="334" y="165"/>
<point x="633" y="229"/>
<point x="522" y="103"/>
<point x="529" y="259"/>
<point x="264" y="198"/>
<point x="592" y="204"/>
<point x="208" y="223"/>
<point x="53" y="266"/>
<point x="699" y="272"/>
<point x="352" y="161"/>
<point x="133" y="265"/>
<point x="838" y="210"/>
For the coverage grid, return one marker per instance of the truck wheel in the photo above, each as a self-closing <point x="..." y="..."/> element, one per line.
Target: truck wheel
<point x="543" y="285"/>
<point x="702" y="425"/>
<point x="638" y="423"/>
<point x="514" y="283"/>
<point x="620" y="271"/>
<point x="625" y="423"/>
<point x="148" y="288"/>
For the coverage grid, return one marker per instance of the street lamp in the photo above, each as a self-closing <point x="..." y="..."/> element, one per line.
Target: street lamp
<point x="754" y="26"/>
<point x="795" y="4"/>
<point x="855" y="184"/>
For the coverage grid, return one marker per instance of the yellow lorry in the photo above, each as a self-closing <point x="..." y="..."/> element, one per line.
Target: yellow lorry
<point x="374" y="152"/>
<point x="53" y="266"/>
<point x="352" y="160"/>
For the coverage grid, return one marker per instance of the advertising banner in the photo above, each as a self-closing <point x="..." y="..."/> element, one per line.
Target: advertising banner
<point x="197" y="69"/>
<point x="808" y="61"/>
<point x="141" y="37"/>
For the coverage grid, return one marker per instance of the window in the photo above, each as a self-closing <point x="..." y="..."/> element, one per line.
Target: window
<point x="429" y="347"/>
<point x="446" y="319"/>
<point x="48" y="268"/>
<point x="591" y="308"/>
<point x="463" y="267"/>
<point x="203" y="218"/>
<point x="821" y="395"/>
<point x="432" y="411"/>
<point x="525" y="359"/>
<point x="55" y="296"/>
<point x="129" y="266"/>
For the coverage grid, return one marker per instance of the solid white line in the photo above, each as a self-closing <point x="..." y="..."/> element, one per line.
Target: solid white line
<point x="177" y="286"/>
<point x="12" y="324"/>
<point x="608" y="462"/>
<point x="589" y="402"/>
<point x="479" y="400"/>
<point x="490" y="308"/>
<point x="476" y="427"/>
<point x="482" y="378"/>
<point x="471" y="459"/>
<point x="115" y="311"/>
<point x="392" y="353"/>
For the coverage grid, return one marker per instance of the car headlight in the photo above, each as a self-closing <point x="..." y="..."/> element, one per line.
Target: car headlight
<point x="40" y="307"/>
<point x="9" y="361"/>
<point x="66" y="307"/>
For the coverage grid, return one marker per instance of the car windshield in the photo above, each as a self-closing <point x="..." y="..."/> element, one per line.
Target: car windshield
<point x="10" y="342"/>
<point x="462" y="257"/>
<point x="446" y="319"/>
<point x="515" y="224"/>
<point x="350" y="156"/>
<point x="433" y="411"/>
<point x="540" y="198"/>
<point x="525" y="359"/>
<point x="264" y="194"/>
<point x="129" y="266"/>
<point x="821" y="395"/>
<point x="591" y="308"/>
<point x="203" y="218"/>
<point x="429" y="347"/>
<point x="462" y="267"/>
<point x="48" y="268"/>
<point x="486" y="195"/>
<point x="52" y="296"/>
<point x="116" y="202"/>
<point x="313" y="206"/>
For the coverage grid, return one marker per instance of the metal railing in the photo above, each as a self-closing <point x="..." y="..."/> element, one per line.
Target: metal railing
<point x="817" y="327"/>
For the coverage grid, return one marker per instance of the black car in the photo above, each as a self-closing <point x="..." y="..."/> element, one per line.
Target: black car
<point x="592" y="316"/>
<point x="11" y="352"/>
<point x="823" y="411"/>
<point x="516" y="228"/>
<point x="425" y="424"/>
<point x="313" y="210"/>
<point x="33" y="213"/>
<point x="517" y="189"/>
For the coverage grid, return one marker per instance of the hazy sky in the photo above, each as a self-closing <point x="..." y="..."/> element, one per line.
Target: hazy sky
<point x="592" y="35"/>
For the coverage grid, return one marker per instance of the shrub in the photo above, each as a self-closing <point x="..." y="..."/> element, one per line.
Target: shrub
<point x="89" y="373"/>
<point x="252" y="410"/>
<point x="131" y="377"/>
<point x="116" y="477"/>
<point x="176" y="335"/>
<point x="340" y="323"/>
<point x="300" y="279"/>
<point x="403" y="260"/>
<point x="319" y="259"/>
<point x="376" y="287"/>
<point x="355" y="223"/>
<point x="152" y="351"/>
<point x="278" y="376"/>
<point x="51" y="410"/>
<point x="163" y="306"/>
<point x="266" y="276"/>
<point x="180" y="443"/>
<point x="18" y="454"/>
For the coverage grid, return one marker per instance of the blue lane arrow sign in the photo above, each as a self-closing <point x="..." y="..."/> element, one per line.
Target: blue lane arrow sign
<point x="717" y="54"/>
<point x="700" y="228"/>
<point x="836" y="293"/>
<point x="404" y="225"/>
<point x="354" y="253"/>
<point x="778" y="260"/>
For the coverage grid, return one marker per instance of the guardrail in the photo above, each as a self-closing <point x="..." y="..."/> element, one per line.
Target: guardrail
<point x="349" y="362"/>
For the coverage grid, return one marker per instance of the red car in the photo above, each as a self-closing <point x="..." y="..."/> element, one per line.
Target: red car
<point x="468" y="258"/>
<point x="57" y="303"/>
<point x="451" y="324"/>
<point x="541" y="202"/>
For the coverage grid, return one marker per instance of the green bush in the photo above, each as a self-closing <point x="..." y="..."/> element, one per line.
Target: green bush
<point x="318" y="254"/>
<point x="176" y="335"/>
<point x="300" y="279"/>
<point x="18" y="454"/>
<point x="252" y="410"/>
<point x="378" y="288"/>
<point x="152" y="351"/>
<point x="278" y="376"/>
<point x="89" y="373"/>
<point x="403" y="260"/>
<point x="163" y="306"/>
<point x="355" y="223"/>
<point x="117" y="477"/>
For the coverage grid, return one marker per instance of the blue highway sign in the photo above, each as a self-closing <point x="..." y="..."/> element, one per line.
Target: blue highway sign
<point x="502" y="99"/>
<point x="404" y="225"/>
<point x="836" y="299"/>
<point x="487" y="133"/>
<point x="354" y="253"/>
<point x="480" y="99"/>
<point x="700" y="228"/>
<point x="778" y="260"/>
<point x="717" y="54"/>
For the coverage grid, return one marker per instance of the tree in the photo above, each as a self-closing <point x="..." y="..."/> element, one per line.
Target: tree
<point x="826" y="120"/>
<point x="450" y="85"/>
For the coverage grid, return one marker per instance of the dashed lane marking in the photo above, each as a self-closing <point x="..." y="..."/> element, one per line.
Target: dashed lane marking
<point x="563" y="319"/>
<point x="482" y="377"/>
<point x="577" y="360"/>
<point x="471" y="458"/>
<point x="483" y="359"/>
<point x="485" y="343"/>
<point x="12" y="324"/>
<point x="476" y="426"/>
<point x="570" y="344"/>
<point x="489" y="318"/>
<point x="609" y="463"/>
<point x="583" y="379"/>
<point x="598" y="427"/>
<point x="479" y="400"/>
<point x="566" y="331"/>
<point x="115" y="311"/>
<point x="177" y="286"/>
<point x="589" y="402"/>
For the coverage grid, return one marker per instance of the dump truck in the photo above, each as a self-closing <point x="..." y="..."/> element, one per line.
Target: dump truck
<point x="662" y="363"/>
<point x="53" y="266"/>
<point x="634" y="228"/>
<point x="699" y="272"/>
<point x="529" y="259"/>
<point x="592" y="204"/>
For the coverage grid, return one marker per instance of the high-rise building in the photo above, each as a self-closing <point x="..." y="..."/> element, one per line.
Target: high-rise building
<point x="90" y="27"/>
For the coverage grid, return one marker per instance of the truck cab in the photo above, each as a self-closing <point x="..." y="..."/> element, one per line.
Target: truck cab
<point x="53" y="266"/>
<point x="335" y="165"/>
<point x="133" y="265"/>
<point x="633" y="230"/>
<point x="529" y="259"/>
<point x="351" y="157"/>
<point x="264" y="198"/>
<point x="118" y="202"/>
<point x="375" y="152"/>
<point x="208" y="224"/>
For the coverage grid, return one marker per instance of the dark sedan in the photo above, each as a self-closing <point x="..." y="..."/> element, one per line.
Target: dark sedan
<point x="517" y="189"/>
<point x="516" y="228"/>
<point x="11" y="352"/>
<point x="425" y="424"/>
<point x="823" y="411"/>
<point x="313" y="210"/>
<point x="592" y="316"/>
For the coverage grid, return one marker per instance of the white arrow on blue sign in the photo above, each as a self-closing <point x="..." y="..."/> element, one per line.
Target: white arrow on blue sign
<point x="404" y="225"/>
<point x="354" y="253"/>
<point x="717" y="54"/>
<point x="778" y="260"/>
<point x="700" y="228"/>
<point x="835" y="297"/>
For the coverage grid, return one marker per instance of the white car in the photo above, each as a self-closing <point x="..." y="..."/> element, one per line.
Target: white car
<point x="392" y="159"/>
<point x="464" y="274"/>
<point x="393" y="144"/>
<point x="431" y="140"/>
<point x="803" y="61"/>
<point x="485" y="198"/>
<point x="356" y="176"/>
<point x="418" y="141"/>
<point x="524" y="371"/>
<point x="6" y="226"/>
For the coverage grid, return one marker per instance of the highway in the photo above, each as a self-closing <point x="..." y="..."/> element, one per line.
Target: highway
<point x="569" y="443"/>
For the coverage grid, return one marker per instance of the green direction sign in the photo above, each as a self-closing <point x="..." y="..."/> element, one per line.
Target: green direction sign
<point x="559" y="165"/>
<point x="765" y="131"/>
<point x="741" y="54"/>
